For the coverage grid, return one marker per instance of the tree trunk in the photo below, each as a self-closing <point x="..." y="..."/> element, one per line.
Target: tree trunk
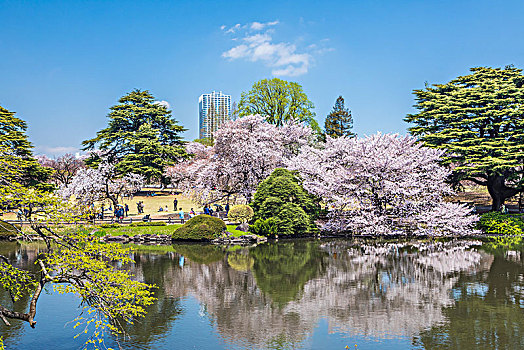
<point x="114" y="200"/>
<point x="499" y="192"/>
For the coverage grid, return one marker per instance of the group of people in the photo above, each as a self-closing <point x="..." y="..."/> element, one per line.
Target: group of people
<point x="209" y="211"/>
<point x="120" y="211"/>
<point x="140" y="207"/>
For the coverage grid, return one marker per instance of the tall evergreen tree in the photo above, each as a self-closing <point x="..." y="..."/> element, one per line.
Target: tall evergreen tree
<point x="339" y="122"/>
<point x="14" y="141"/>
<point x="479" y="119"/>
<point x="142" y="137"/>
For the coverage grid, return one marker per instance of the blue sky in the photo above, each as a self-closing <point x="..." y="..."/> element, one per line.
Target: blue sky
<point x="64" y="63"/>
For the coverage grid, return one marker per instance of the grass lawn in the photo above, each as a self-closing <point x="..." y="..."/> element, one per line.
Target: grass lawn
<point x="236" y="233"/>
<point x="138" y="230"/>
<point x="156" y="230"/>
<point x="160" y="199"/>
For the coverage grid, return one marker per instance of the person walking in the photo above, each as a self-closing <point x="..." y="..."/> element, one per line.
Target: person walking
<point x="206" y="209"/>
<point x="181" y="214"/>
<point x="126" y="208"/>
<point x="175" y="203"/>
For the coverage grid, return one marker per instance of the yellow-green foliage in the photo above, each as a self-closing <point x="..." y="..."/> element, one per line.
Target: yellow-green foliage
<point x="17" y="282"/>
<point x="495" y="223"/>
<point x="201" y="227"/>
<point x="109" y="292"/>
<point x="267" y="227"/>
<point x="74" y="262"/>
<point x="508" y="230"/>
<point x="240" y="213"/>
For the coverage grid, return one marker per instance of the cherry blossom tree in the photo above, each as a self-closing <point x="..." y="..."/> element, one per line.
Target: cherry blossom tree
<point x="91" y="185"/>
<point x="181" y="174"/>
<point x="245" y="152"/>
<point x="64" y="167"/>
<point x="382" y="184"/>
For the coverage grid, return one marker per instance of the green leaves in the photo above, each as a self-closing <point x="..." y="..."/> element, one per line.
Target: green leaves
<point x="479" y="119"/>
<point x="278" y="101"/>
<point x="282" y="197"/>
<point x="17" y="282"/>
<point x="142" y="137"/>
<point x="14" y="144"/>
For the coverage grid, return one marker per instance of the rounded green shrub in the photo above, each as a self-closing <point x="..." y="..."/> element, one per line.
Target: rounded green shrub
<point x="293" y="220"/>
<point x="270" y="207"/>
<point x="240" y="213"/>
<point x="200" y="228"/>
<point x="282" y="197"/>
<point x="267" y="227"/>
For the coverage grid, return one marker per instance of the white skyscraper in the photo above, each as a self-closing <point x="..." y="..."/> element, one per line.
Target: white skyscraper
<point x="214" y="109"/>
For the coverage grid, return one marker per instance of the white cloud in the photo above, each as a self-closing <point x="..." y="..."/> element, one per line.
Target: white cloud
<point x="284" y="58"/>
<point x="231" y="30"/>
<point x="254" y="26"/>
<point x="261" y="26"/>
<point x="163" y="103"/>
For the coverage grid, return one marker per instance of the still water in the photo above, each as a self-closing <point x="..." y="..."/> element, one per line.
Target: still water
<point x="307" y="295"/>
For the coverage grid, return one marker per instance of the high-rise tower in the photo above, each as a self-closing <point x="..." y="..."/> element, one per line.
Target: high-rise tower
<point x="214" y="109"/>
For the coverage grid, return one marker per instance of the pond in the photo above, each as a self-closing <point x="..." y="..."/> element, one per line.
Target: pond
<point x="307" y="294"/>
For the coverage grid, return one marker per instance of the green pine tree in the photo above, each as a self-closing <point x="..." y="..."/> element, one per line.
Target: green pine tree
<point x="142" y="137"/>
<point x="13" y="139"/>
<point x="479" y="120"/>
<point x="339" y="122"/>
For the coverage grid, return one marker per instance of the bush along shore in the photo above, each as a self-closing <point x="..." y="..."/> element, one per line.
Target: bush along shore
<point x="205" y="228"/>
<point x="202" y="228"/>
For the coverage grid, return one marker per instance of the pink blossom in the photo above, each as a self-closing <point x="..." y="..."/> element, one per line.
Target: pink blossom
<point x="381" y="184"/>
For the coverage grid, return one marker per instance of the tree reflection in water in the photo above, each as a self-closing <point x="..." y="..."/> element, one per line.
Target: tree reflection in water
<point x="439" y="295"/>
<point x="488" y="313"/>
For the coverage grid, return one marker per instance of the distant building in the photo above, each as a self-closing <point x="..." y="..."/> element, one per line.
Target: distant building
<point x="214" y="109"/>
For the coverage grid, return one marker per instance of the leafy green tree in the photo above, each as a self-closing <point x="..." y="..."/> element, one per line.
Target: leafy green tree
<point x="142" y="137"/>
<point x="282" y="197"/>
<point x="479" y="120"/>
<point x="278" y="101"/>
<point x="73" y="262"/>
<point x="339" y="122"/>
<point x="13" y="139"/>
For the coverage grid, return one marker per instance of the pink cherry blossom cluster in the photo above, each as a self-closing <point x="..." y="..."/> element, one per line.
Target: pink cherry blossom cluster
<point x="382" y="184"/>
<point x="245" y="152"/>
<point x="91" y="185"/>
